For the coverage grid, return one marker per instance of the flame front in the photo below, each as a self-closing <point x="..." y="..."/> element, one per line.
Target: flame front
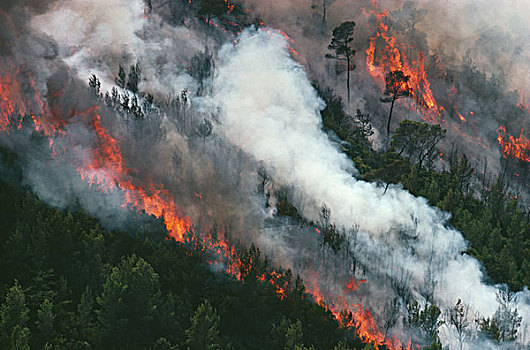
<point x="104" y="168"/>
<point x="391" y="57"/>
<point x="514" y="147"/>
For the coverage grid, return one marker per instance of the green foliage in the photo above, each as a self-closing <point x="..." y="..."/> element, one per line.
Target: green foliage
<point x="493" y="222"/>
<point x="287" y="335"/>
<point x="340" y="45"/>
<point x="45" y="320"/>
<point x="14" y="316"/>
<point x="505" y="322"/>
<point x="129" y="300"/>
<point x="88" y="288"/>
<point x="203" y="333"/>
<point x="417" y="140"/>
<point x="427" y="321"/>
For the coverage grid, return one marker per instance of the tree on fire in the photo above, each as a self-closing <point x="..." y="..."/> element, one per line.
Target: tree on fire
<point x="340" y="44"/>
<point x="396" y="87"/>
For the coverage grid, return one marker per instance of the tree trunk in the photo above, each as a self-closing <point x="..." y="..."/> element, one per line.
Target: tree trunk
<point x="348" y="78"/>
<point x="389" y="120"/>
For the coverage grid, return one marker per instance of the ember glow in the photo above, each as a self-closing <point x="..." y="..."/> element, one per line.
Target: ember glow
<point x="105" y="169"/>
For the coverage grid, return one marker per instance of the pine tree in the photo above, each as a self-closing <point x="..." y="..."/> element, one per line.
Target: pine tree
<point x="340" y="44"/>
<point x="203" y="333"/>
<point x="45" y="319"/>
<point x="396" y="87"/>
<point x="14" y="316"/>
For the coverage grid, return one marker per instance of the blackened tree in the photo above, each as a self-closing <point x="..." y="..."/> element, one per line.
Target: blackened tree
<point x="121" y="79"/>
<point x="324" y="5"/>
<point x="134" y="78"/>
<point x="458" y="319"/>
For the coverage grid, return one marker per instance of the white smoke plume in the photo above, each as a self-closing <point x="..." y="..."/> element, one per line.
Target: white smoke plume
<point x="269" y="109"/>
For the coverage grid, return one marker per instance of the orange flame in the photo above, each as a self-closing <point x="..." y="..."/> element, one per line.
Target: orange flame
<point x="515" y="147"/>
<point x="391" y="57"/>
<point x="106" y="169"/>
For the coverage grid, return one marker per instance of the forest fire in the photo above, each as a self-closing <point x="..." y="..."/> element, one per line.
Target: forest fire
<point x="514" y="147"/>
<point x="10" y="100"/>
<point x="384" y="55"/>
<point x="354" y="316"/>
<point x="105" y="168"/>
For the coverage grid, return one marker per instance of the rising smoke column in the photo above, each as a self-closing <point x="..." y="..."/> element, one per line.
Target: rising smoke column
<point x="269" y="109"/>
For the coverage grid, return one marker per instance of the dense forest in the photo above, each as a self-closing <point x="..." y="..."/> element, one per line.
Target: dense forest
<point x="67" y="283"/>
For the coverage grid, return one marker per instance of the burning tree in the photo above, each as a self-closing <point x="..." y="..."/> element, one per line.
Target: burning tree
<point x="396" y="87"/>
<point x="340" y="44"/>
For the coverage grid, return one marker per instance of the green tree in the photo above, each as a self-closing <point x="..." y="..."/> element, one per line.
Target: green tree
<point x="129" y="303"/>
<point x="417" y="139"/>
<point x="45" y="320"/>
<point x="342" y="345"/>
<point x="396" y="87"/>
<point x="85" y="320"/>
<point x="14" y="316"/>
<point x="203" y="333"/>
<point x="427" y="321"/>
<point x="287" y="335"/>
<point x="340" y="44"/>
